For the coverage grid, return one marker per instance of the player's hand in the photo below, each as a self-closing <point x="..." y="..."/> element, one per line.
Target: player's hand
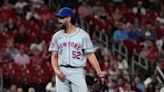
<point x="59" y="74"/>
<point x="102" y="76"/>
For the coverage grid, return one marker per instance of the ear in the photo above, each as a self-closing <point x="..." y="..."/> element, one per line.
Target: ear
<point x="69" y="18"/>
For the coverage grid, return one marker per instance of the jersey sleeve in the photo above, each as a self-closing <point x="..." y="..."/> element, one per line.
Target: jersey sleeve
<point x="53" y="45"/>
<point x="88" y="45"/>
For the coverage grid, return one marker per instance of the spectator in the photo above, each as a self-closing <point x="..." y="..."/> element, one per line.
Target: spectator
<point x="119" y="34"/>
<point x="127" y="87"/>
<point x="117" y="16"/>
<point x="31" y="89"/>
<point x="20" y="7"/>
<point x="45" y="14"/>
<point x="19" y="21"/>
<point x="21" y="35"/>
<point x="160" y="43"/>
<point x="32" y="14"/>
<point x="132" y="34"/>
<point x="13" y="88"/>
<point x="113" y="69"/>
<point x="131" y="45"/>
<point x="10" y="26"/>
<point x="148" y="33"/>
<point x="37" y="47"/>
<point x="145" y="46"/>
<point x="160" y="57"/>
<point x="137" y="25"/>
<point x="20" y="4"/>
<point x="101" y="51"/>
<point x="46" y="55"/>
<point x="84" y="10"/>
<point x="21" y="58"/>
<point x="110" y="8"/>
<point x="139" y="9"/>
<point x="110" y="84"/>
<point x="159" y="28"/>
<point x="120" y="84"/>
<point x="123" y="66"/>
<point x="11" y="50"/>
<point x="20" y="89"/>
<point x="4" y="57"/>
<point x="103" y="20"/>
<point x="152" y="53"/>
<point x="124" y="9"/>
<point x="51" y="86"/>
<point x="7" y="5"/>
<point x="37" y="3"/>
<point x="160" y="17"/>
<point x="139" y="85"/>
<point x="97" y="8"/>
<point x="149" y="18"/>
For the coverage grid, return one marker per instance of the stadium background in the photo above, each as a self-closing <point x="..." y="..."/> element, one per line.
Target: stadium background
<point x="128" y="36"/>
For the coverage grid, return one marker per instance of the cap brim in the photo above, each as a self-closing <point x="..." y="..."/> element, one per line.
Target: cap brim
<point x="58" y="15"/>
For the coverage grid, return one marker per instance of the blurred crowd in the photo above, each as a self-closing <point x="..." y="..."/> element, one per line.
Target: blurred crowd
<point x="26" y="27"/>
<point x="140" y="28"/>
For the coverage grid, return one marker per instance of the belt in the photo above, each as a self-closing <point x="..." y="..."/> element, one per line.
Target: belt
<point x="69" y="66"/>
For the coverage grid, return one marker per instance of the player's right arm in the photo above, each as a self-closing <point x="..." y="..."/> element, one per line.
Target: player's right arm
<point x="54" y="62"/>
<point x="54" y="57"/>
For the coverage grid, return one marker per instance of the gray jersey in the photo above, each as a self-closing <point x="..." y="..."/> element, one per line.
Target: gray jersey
<point x="72" y="48"/>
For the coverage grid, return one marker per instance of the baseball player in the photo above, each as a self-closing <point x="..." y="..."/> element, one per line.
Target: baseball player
<point x="70" y="48"/>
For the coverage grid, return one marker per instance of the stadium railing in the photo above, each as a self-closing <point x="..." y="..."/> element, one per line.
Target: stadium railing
<point x="117" y="47"/>
<point x="94" y="31"/>
<point x="138" y="63"/>
<point x="160" y="75"/>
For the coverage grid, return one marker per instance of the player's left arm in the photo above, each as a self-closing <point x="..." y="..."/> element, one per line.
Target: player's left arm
<point x="94" y="62"/>
<point x="89" y="50"/>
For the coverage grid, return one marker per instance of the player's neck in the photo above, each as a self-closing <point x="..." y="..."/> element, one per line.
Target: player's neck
<point x="70" y="28"/>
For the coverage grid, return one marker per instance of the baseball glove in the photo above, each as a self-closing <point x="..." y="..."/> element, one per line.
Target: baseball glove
<point x="97" y="84"/>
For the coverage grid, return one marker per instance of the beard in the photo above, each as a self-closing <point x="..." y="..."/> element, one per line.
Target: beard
<point x="61" y="27"/>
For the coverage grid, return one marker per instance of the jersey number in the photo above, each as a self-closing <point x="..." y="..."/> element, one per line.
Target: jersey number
<point x="76" y="54"/>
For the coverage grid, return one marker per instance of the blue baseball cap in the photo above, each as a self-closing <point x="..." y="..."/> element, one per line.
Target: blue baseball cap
<point x="65" y="12"/>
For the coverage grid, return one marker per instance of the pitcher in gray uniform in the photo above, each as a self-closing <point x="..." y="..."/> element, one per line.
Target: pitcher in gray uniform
<point x="70" y="48"/>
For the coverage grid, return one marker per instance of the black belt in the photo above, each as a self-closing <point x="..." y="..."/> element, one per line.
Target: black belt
<point x="69" y="66"/>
